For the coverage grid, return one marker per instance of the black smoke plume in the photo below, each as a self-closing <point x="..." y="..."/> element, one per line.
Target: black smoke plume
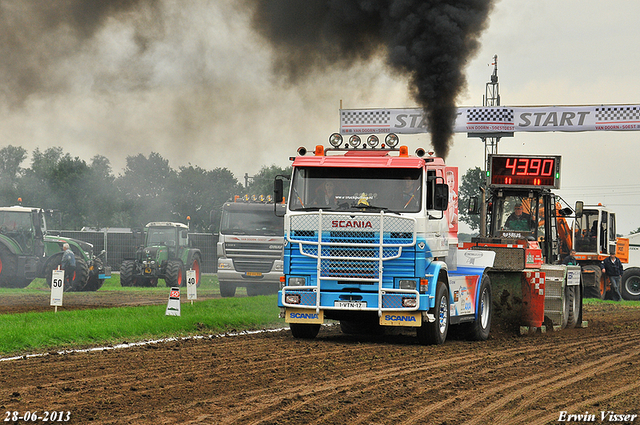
<point x="35" y="36"/>
<point x="428" y="41"/>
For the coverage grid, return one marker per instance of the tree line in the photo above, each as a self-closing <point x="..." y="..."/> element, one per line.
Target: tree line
<point x="82" y="194"/>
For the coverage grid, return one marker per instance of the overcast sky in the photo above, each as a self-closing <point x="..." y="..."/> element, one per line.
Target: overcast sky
<point x="190" y="80"/>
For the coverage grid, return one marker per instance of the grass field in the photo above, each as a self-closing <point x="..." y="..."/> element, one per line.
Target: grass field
<point x="42" y="331"/>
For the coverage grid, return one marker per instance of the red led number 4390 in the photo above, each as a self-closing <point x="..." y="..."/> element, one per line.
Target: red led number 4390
<point x="523" y="170"/>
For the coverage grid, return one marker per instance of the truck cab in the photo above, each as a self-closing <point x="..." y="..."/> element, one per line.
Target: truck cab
<point x="250" y="246"/>
<point x="371" y="241"/>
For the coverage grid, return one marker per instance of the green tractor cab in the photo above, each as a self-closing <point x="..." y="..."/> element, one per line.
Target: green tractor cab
<point x="27" y="251"/>
<point x="166" y="254"/>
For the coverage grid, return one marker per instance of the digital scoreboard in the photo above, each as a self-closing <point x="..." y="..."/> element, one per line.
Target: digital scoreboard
<point x="524" y="171"/>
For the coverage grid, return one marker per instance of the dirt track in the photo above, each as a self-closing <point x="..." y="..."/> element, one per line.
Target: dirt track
<point x="270" y="378"/>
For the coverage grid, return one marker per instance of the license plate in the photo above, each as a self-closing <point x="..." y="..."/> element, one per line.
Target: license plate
<point x="254" y="274"/>
<point x="356" y="305"/>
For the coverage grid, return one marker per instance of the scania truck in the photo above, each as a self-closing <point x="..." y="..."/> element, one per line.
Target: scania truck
<point x="370" y="240"/>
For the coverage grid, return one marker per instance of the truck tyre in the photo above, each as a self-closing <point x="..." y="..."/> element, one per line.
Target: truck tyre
<point x="435" y="333"/>
<point x="126" y="273"/>
<point x="480" y="328"/>
<point x="94" y="283"/>
<point x="262" y="289"/>
<point x="227" y="289"/>
<point x="304" y="331"/>
<point x="8" y="267"/>
<point x="630" y="284"/>
<point x="592" y="278"/>
<point x="173" y="276"/>
<point x="572" y="305"/>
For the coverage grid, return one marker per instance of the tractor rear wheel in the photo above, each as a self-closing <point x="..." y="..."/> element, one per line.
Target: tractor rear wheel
<point x="195" y="266"/>
<point x="593" y="282"/>
<point x="173" y="276"/>
<point x="77" y="281"/>
<point x="94" y="283"/>
<point x="8" y="267"/>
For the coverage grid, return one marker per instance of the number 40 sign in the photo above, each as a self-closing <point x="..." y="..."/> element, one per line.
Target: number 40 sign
<point x="57" y="287"/>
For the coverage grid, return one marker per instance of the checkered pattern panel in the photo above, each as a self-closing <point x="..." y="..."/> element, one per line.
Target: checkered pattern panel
<point x="618" y="113"/>
<point x="501" y="115"/>
<point x="376" y="117"/>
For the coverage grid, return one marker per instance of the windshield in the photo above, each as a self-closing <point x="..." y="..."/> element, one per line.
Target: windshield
<point x="251" y="222"/>
<point x="517" y="214"/>
<point x="161" y="236"/>
<point x="393" y="189"/>
<point x="11" y="221"/>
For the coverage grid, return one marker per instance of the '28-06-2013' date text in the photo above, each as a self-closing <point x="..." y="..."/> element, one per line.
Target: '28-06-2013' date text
<point x="46" y="416"/>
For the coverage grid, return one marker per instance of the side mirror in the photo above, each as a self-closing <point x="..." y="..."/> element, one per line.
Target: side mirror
<point x="441" y="198"/>
<point x="278" y="191"/>
<point x="579" y="207"/>
<point x="184" y="233"/>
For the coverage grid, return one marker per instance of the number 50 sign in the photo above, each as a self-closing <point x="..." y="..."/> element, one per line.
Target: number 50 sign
<point x="57" y="287"/>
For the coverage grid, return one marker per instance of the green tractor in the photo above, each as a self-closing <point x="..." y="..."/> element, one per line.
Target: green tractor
<point x="166" y="254"/>
<point x="28" y="252"/>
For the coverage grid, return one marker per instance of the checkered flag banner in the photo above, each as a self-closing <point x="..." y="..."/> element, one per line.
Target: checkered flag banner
<point x="496" y="119"/>
<point x="491" y="115"/>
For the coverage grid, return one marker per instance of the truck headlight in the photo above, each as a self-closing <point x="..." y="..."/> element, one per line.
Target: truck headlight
<point x="225" y="265"/>
<point x="407" y="284"/>
<point x="277" y="266"/>
<point x="297" y="281"/>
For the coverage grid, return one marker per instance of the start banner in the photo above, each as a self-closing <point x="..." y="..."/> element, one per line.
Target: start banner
<point x="496" y="119"/>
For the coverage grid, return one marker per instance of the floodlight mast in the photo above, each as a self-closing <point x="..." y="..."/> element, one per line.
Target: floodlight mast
<point x="491" y="98"/>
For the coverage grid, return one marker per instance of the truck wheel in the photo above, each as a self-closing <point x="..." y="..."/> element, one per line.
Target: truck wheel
<point x="480" y="328"/>
<point x="126" y="273"/>
<point x="435" y="333"/>
<point x="173" y="276"/>
<point x="8" y="267"/>
<point x="630" y="284"/>
<point x="227" y="290"/>
<point x="572" y="305"/>
<point x="304" y="331"/>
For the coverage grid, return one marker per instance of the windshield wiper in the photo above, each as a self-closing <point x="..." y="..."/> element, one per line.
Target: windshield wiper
<point x="374" y="208"/>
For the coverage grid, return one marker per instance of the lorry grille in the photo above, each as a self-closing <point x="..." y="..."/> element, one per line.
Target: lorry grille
<point x="253" y="257"/>
<point x="351" y="246"/>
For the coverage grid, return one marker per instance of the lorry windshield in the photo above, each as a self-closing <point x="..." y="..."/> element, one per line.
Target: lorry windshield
<point x="393" y="189"/>
<point x="261" y="222"/>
